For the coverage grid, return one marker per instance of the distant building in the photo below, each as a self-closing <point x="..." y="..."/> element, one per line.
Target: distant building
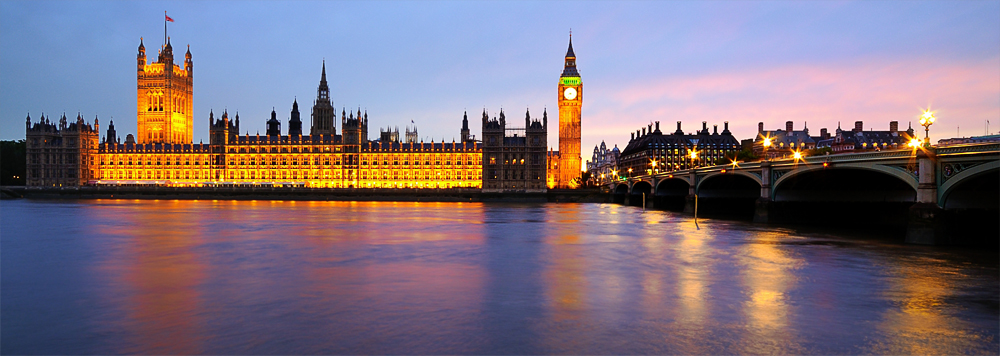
<point x="784" y="142"/>
<point x="650" y="151"/>
<point x="514" y="158"/>
<point x="62" y="154"/>
<point x="964" y="140"/>
<point x="859" y="140"/>
<point x="603" y="165"/>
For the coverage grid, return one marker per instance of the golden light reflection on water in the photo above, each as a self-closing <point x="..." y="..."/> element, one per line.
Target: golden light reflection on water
<point x="691" y="273"/>
<point x="163" y="273"/>
<point x="768" y="275"/>
<point x="352" y="277"/>
<point x="920" y="325"/>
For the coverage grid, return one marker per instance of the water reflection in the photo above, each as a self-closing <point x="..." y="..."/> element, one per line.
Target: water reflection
<point x="768" y="276"/>
<point x="269" y="277"/>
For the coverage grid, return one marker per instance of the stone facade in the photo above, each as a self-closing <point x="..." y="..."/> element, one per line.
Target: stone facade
<point x="62" y="154"/>
<point x="164" y="98"/>
<point x="514" y="159"/>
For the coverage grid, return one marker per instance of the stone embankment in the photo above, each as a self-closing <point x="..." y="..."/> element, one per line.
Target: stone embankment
<point x="298" y="193"/>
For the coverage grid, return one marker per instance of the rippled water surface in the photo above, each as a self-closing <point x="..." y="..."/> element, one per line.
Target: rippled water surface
<point x="263" y="277"/>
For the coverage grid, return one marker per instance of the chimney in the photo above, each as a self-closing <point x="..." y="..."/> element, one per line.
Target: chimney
<point x="657" y="126"/>
<point x="788" y="126"/>
<point x="644" y="131"/>
<point x="760" y="127"/>
<point x="893" y="126"/>
<point x="859" y="126"/>
<point x="715" y="129"/>
<point x="725" y="126"/>
<point x="633" y="136"/>
<point x="823" y="134"/>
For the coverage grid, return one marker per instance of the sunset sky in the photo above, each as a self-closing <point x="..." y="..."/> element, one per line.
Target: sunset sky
<point x="820" y="62"/>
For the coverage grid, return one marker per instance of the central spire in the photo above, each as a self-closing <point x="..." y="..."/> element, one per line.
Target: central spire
<point x="324" y="89"/>
<point x="569" y="70"/>
<point x="569" y="52"/>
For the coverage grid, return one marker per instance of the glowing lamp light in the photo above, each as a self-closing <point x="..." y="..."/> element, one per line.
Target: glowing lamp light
<point x="797" y="155"/>
<point x="767" y="142"/>
<point x="914" y="143"/>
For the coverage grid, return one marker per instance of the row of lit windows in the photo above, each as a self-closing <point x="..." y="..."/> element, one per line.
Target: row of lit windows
<point x="270" y="148"/>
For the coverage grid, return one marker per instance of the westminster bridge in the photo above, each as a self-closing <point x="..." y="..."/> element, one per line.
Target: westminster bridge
<point x="939" y="195"/>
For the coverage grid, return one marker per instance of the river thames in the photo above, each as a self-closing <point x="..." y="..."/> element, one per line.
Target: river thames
<point x="293" y="277"/>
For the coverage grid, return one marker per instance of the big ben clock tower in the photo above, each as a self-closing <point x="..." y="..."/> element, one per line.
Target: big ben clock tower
<point x="570" y="102"/>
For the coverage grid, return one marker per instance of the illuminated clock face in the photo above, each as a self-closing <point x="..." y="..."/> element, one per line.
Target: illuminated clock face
<point x="569" y="93"/>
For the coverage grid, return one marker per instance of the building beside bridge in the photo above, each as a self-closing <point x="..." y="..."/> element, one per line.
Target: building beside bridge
<point x="783" y="143"/>
<point x="649" y="151"/>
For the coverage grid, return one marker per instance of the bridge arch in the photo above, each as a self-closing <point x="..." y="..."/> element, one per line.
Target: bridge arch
<point x="875" y="199"/>
<point x="896" y="172"/>
<point x="671" y="193"/>
<point x="640" y="190"/>
<point x="620" y="193"/>
<point x="949" y="186"/>
<point x="754" y="177"/>
<point x="729" y="194"/>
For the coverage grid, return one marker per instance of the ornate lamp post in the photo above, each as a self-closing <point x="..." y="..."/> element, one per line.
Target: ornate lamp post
<point x="927" y="119"/>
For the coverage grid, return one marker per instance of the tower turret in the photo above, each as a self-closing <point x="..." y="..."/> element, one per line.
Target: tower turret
<point x="294" y="122"/>
<point x="465" y="126"/>
<point x="323" y="114"/>
<point x="141" y="57"/>
<point x="273" y="125"/>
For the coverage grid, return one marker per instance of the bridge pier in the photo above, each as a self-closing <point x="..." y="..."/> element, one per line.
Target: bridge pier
<point x="926" y="224"/>
<point x="763" y="206"/>
<point x="689" y="200"/>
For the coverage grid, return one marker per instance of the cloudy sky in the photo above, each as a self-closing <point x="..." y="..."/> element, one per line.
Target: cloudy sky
<point x="820" y="62"/>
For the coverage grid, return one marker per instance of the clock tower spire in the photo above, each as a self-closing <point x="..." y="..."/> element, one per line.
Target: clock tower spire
<point x="570" y="103"/>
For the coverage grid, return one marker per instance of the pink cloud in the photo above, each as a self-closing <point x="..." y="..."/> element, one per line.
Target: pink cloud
<point x="963" y="93"/>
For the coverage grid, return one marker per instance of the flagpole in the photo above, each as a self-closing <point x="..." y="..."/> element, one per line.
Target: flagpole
<point x="164" y="28"/>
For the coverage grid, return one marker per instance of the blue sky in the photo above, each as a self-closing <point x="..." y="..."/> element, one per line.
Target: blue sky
<point x="819" y="62"/>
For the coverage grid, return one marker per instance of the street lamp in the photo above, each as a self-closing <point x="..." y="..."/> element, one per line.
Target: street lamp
<point x="630" y="172"/>
<point x="767" y="143"/>
<point x="694" y="155"/>
<point x="927" y="119"/>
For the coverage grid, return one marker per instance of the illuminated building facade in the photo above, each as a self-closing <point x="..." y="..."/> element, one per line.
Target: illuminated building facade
<point x="309" y="161"/>
<point x="163" y="153"/>
<point x="514" y="158"/>
<point x="164" y="97"/>
<point x="650" y="151"/>
<point x="62" y="154"/>
<point x="603" y="165"/>
<point x="322" y="159"/>
<point x="565" y="164"/>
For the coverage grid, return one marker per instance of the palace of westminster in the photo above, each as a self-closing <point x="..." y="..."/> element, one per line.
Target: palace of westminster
<point x="507" y="159"/>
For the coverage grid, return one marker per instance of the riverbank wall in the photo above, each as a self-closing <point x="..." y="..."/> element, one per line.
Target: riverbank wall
<point x="283" y="193"/>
